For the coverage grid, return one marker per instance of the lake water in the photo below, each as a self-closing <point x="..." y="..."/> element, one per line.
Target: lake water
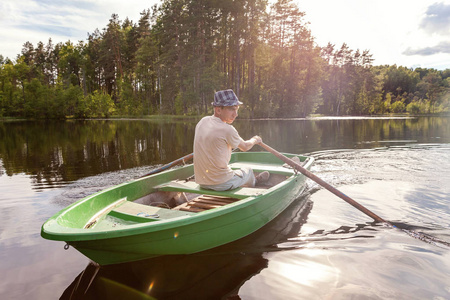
<point x="319" y="248"/>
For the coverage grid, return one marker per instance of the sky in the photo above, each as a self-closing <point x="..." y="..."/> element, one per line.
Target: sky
<point x="410" y="33"/>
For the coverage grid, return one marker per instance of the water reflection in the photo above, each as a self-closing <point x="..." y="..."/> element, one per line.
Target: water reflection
<point x="213" y="274"/>
<point x="58" y="152"/>
<point x="175" y="277"/>
<point x="65" y="151"/>
<point x="396" y="168"/>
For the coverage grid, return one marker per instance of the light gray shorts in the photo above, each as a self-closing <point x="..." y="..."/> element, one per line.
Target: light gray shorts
<point x="242" y="177"/>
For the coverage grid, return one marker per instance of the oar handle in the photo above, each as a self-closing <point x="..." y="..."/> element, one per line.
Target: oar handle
<point x="322" y="183"/>
<point x="171" y="164"/>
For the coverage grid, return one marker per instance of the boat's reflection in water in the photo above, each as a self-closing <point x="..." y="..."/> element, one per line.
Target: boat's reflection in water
<point x="213" y="274"/>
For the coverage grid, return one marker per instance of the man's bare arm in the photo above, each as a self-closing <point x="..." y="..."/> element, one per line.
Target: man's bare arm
<point x="248" y="144"/>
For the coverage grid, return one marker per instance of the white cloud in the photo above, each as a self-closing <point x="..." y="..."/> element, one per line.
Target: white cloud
<point x="437" y="19"/>
<point x="389" y="29"/>
<point x="60" y="20"/>
<point x="442" y="47"/>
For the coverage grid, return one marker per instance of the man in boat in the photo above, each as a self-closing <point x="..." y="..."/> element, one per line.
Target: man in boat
<point x="214" y="140"/>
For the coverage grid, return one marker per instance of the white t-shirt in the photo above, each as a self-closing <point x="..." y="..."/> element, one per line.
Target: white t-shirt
<point x="213" y="142"/>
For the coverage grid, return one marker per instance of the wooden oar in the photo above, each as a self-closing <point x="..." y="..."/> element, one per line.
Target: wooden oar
<point x="322" y="183"/>
<point x="171" y="164"/>
<point x="418" y="235"/>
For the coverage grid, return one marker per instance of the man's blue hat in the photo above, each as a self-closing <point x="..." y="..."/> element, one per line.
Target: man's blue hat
<point x="226" y="98"/>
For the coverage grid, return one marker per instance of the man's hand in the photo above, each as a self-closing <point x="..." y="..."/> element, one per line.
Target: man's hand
<point x="247" y="145"/>
<point x="257" y="140"/>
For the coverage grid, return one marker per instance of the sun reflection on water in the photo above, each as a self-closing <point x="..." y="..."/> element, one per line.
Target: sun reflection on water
<point x="298" y="274"/>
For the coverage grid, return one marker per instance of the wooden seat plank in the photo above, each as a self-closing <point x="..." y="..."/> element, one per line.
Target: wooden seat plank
<point x="191" y="209"/>
<point x="203" y="202"/>
<point x="211" y="201"/>
<point x="202" y="205"/>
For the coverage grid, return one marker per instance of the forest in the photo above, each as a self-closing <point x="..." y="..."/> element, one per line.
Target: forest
<point x="179" y="52"/>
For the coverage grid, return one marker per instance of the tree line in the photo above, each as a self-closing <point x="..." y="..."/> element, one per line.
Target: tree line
<point x="179" y="52"/>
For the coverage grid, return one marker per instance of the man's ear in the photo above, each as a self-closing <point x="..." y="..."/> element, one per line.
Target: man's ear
<point x="217" y="110"/>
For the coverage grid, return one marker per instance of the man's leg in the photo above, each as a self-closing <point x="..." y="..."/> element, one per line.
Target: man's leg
<point x="262" y="177"/>
<point x="242" y="177"/>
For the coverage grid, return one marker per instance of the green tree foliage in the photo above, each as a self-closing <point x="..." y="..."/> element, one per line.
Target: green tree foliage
<point x="351" y="85"/>
<point x="99" y="104"/>
<point x="179" y="52"/>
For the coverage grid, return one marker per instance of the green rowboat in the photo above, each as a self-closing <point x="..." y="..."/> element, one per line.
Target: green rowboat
<point x="168" y="213"/>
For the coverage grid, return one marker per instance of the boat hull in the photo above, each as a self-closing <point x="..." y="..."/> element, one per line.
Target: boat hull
<point x="183" y="234"/>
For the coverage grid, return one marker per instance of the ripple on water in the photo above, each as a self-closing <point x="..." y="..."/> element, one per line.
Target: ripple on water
<point x="407" y="185"/>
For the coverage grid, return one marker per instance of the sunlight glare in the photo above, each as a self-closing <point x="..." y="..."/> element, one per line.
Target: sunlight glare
<point x="306" y="272"/>
<point x="150" y="287"/>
